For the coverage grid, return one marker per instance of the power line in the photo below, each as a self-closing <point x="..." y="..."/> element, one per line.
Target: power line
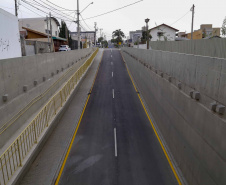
<point x="54" y="8"/>
<point x="40" y="5"/>
<point x="60" y="6"/>
<point x="34" y="6"/>
<point x="49" y="9"/>
<point x="73" y="18"/>
<point x="85" y="22"/>
<point x="44" y="11"/>
<point x="31" y="10"/>
<point x="180" y="18"/>
<point x="113" y="10"/>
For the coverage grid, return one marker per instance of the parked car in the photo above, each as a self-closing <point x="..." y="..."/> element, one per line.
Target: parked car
<point x="64" y="48"/>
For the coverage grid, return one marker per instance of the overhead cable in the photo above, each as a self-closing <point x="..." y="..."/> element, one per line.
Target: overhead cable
<point x="113" y="10"/>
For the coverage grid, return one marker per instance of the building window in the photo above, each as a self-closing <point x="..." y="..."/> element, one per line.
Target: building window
<point x="48" y="31"/>
<point x="159" y="34"/>
<point x="56" y="33"/>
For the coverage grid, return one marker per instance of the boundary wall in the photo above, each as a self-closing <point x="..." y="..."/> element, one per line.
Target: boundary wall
<point x="20" y="154"/>
<point x="28" y="82"/>
<point x="215" y="47"/>
<point x="186" y="95"/>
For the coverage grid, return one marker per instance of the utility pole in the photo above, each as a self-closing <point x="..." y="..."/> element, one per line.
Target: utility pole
<point x="100" y="32"/>
<point x="192" y="23"/>
<point x="78" y="24"/>
<point x="51" y="32"/>
<point x="16" y="8"/>
<point x="66" y="34"/>
<point x="47" y="21"/>
<point x="147" y="20"/>
<point x="95" y="26"/>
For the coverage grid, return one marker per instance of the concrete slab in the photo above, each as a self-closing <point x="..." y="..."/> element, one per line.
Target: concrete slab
<point x="222" y="86"/>
<point x="12" y="75"/>
<point x="208" y="73"/>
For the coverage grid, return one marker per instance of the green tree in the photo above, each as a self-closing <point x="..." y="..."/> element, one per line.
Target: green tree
<point x="100" y="39"/>
<point x="223" y="28"/>
<point x="117" y="36"/>
<point x="113" y="41"/>
<point x="64" y="30"/>
<point x="144" y="36"/>
<point x="104" y="43"/>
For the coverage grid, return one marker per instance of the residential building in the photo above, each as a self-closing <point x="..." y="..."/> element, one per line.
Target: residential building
<point x="163" y="32"/>
<point x="41" y="25"/>
<point x="33" y="35"/>
<point x="134" y="35"/>
<point x="205" y="31"/>
<point x="181" y="34"/>
<point x="197" y="34"/>
<point x="9" y="36"/>
<point x="86" y="37"/>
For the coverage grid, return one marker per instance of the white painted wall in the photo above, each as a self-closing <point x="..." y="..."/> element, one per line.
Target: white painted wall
<point x="168" y="33"/>
<point x="9" y="36"/>
<point x="39" y="24"/>
<point x="141" y="46"/>
<point x="134" y="35"/>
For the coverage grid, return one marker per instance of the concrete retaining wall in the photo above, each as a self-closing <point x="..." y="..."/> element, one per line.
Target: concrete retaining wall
<point x="194" y="133"/>
<point x="18" y="73"/>
<point x="205" y="47"/>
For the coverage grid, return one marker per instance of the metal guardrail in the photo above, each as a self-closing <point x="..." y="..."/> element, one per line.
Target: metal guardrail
<point x="15" y="154"/>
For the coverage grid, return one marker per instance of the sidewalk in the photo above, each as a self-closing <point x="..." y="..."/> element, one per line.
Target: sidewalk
<point x="45" y="168"/>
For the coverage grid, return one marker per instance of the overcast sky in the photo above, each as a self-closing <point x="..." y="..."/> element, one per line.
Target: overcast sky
<point x="132" y="17"/>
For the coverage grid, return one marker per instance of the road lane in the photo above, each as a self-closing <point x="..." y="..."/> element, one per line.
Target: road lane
<point x="115" y="144"/>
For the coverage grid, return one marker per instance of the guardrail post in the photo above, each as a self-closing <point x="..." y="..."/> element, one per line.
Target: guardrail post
<point x="2" y="172"/>
<point x="46" y="117"/>
<point x="18" y="148"/>
<point x="61" y="99"/>
<point x="54" y="105"/>
<point x="35" y="132"/>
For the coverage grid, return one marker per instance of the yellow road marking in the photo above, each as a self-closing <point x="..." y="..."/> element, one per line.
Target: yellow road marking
<point x="153" y="127"/>
<point x="73" y="138"/>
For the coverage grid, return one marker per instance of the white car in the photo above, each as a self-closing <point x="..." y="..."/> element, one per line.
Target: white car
<point x="64" y="48"/>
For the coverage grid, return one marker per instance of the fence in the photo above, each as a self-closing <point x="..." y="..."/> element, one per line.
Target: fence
<point x="15" y="154"/>
<point x="205" y="47"/>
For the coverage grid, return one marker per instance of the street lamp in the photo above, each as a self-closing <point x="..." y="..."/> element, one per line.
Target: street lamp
<point x="147" y="20"/>
<point x="86" y="7"/>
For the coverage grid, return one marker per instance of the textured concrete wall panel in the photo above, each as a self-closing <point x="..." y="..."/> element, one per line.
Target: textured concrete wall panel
<point x="195" y="134"/>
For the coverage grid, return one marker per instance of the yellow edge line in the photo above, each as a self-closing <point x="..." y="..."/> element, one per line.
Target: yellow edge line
<point x="73" y="138"/>
<point x="153" y="127"/>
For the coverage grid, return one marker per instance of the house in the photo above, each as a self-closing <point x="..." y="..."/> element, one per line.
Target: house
<point x="87" y="37"/>
<point x="41" y="25"/>
<point x="33" y="35"/>
<point x="163" y="32"/>
<point x="205" y="31"/>
<point x="9" y="36"/>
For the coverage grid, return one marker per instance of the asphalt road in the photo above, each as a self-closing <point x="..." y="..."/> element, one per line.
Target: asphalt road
<point x="115" y="144"/>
